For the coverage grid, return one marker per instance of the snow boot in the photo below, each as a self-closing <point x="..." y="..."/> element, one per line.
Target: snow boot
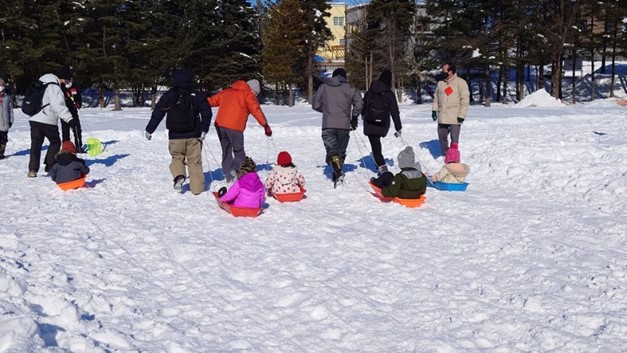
<point x="178" y="182"/>
<point x="31" y="173"/>
<point x="3" y="148"/>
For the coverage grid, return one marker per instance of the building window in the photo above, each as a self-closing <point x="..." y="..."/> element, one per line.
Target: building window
<point x="338" y="21"/>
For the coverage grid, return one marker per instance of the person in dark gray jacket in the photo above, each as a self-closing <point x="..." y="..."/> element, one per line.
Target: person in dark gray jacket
<point x="340" y="105"/>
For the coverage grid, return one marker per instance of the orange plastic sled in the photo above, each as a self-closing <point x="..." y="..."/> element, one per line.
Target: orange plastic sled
<point x="74" y="184"/>
<point x="291" y="197"/>
<point x="411" y="203"/>
<point x="237" y="211"/>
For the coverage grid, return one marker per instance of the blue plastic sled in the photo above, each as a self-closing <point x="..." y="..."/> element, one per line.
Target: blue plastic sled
<point x="447" y="186"/>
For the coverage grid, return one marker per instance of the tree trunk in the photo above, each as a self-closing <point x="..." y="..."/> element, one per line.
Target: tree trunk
<point x="592" y="81"/>
<point x="574" y="89"/>
<point x="290" y="96"/>
<point x="498" y="84"/>
<point x="488" y="88"/>
<point x="153" y="97"/>
<point x="101" y="100"/>
<point x="613" y="71"/>
<point x="118" y="104"/>
<point x="310" y="80"/>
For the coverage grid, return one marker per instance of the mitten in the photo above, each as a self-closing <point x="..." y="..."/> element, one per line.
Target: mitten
<point x="434" y="115"/>
<point x="354" y="123"/>
<point x="268" y="130"/>
<point x="460" y="120"/>
<point x="398" y="134"/>
<point x="148" y="135"/>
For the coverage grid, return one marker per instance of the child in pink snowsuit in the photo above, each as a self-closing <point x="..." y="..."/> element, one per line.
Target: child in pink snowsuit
<point x="453" y="171"/>
<point x="285" y="177"/>
<point x="248" y="190"/>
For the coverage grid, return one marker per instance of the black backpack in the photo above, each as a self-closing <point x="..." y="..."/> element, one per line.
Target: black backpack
<point x="377" y="111"/>
<point x="181" y="117"/>
<point x="34" y="96"/>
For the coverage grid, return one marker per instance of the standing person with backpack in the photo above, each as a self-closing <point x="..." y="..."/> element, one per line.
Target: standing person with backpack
<point x="188" y="117"/>
<point x="44" y="102"/>
<point x="6" y="117"/>
<point x="73" y="101"/>
<point x="340" y="105"/>
<point x="236" y="104"/>
<point x="379" y="103"/>
<point x="450" y="106"/>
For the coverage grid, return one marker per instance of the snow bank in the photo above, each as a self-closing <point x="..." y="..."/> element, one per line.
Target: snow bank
<point x="540" y="98"/>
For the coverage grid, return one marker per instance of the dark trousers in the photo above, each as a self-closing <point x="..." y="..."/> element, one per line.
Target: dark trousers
<point x="383" y="180"/>
<point x="39" y="131"/>
<point x="375" y="145"/>
<point x="4" y="137"/>
<point x="443" y="132"/>
<point x="335" y="142"/>
<point x="232" y="143"/>
<point x="77" y="131"/>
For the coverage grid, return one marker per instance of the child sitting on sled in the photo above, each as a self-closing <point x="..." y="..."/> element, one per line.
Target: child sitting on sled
<point x="409" y="183"/>
<point x="67" y="166"/>
<point x="284" y="178"/>
<point x="248" y="190"/>
<point x="453" y="171"/>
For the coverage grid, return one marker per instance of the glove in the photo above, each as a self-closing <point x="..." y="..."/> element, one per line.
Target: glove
<point x="148" y="135"/>
<point x="460" y="120"/>
<point x="73" y="123"/>
<point x="268" y="130"/>
<point x="398" y="134"/>
<point x="354" y="123"/>
<point x="434" y="115"/>
<point x="202" y="136"/>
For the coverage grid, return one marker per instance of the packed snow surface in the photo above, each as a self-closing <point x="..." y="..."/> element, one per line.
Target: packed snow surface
<point x="531" y="258"/>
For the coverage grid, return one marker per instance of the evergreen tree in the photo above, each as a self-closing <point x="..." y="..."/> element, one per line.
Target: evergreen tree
<point x="315" y="13"/>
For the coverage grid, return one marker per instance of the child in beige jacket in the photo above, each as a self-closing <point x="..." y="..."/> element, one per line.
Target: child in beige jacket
<point x="453" y="171"/>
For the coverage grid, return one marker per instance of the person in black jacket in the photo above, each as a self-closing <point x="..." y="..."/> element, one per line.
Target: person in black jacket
<point x="73" y="101"/>
<point x="67" y="166"/>
<point x="379" y="104"/>
<point x="188" y="120"/>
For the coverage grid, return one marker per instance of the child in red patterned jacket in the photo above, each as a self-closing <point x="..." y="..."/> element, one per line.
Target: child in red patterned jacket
<point x="285" y="178"/>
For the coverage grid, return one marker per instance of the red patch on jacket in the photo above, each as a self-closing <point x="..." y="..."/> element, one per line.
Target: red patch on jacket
<point x="448" y="90"/>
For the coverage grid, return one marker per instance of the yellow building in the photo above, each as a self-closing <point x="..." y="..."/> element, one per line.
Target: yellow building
<point x="331" y="55"/>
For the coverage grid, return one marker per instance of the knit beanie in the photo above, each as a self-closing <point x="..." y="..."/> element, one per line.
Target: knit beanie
<point x="339" y="72"/>
<point x="406" y="158"/>
<point x="254" y="85"/>
<point x="182" y="78"/>
<point x="64" y="73"/>
<point x="68" y="146"/>
<point x="284" y="158"/>
<point x="386" y="77"/>
<point x="452" y="156"/>
<point x="247" y="166"/>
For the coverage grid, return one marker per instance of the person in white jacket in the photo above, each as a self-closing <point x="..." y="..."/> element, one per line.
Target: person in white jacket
<point x="45" y="123"/>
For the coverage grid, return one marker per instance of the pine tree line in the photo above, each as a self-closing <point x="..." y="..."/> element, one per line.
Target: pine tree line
<point x="487" y="39"/>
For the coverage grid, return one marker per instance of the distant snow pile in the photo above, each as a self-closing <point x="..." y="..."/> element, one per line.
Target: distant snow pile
<point x="540" y="98"/>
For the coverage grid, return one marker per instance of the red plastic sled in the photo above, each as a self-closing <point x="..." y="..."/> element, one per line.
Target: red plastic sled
<point x="291" y="197"/>
<point x="237" y="211"/>
<point x="74" y="184"/>
<point x="411" y="203"/>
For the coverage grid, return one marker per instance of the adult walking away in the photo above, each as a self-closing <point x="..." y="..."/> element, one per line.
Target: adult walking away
<point x="379" y="103"/>
<point x="73" y="101"/>
<point x="340" y="105"/>
<point x="450" y="106"/>
<point x="44" y="124"/>
<point x="188" y="117"/>
<point x="6" y="117"/>
<point x="235" y="104"/>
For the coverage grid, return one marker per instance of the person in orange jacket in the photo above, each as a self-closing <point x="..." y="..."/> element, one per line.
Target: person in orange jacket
<point x="236" y="104"/>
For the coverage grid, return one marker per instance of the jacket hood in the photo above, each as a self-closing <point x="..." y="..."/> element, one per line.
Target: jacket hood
<point x="47" y="78"/>
<point x="335" y="81"/>
<point x="378" y="87"/>
<point x="241" y="84"/>
<point x="250" y="181"/>
<point x="64" y="158"/>
<point x="183" y="78"/>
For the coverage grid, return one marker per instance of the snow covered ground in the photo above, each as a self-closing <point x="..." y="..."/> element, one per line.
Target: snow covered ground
<point x="532" y="258"/>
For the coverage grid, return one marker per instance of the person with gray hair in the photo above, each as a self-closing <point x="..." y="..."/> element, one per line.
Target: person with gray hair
<point x="6" y="117"/>
<point x="340" y="105"/>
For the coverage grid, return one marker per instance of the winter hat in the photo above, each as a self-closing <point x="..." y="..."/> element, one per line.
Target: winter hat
<point x="247" y="166"/>
<point x="69" y="147"/>
<point x="406" y="158"/>
<point x="339" y="72"/>
<point x="386" y="77"/>
<point x="64" y="73"/>
<point x="452" y="156"/>
<point x="183" y="78"/>
<point x="284" y="158"/>
<point x="254" y="85"/>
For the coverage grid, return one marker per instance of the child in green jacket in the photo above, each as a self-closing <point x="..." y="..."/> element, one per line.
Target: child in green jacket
<point x="409" y="183"/>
